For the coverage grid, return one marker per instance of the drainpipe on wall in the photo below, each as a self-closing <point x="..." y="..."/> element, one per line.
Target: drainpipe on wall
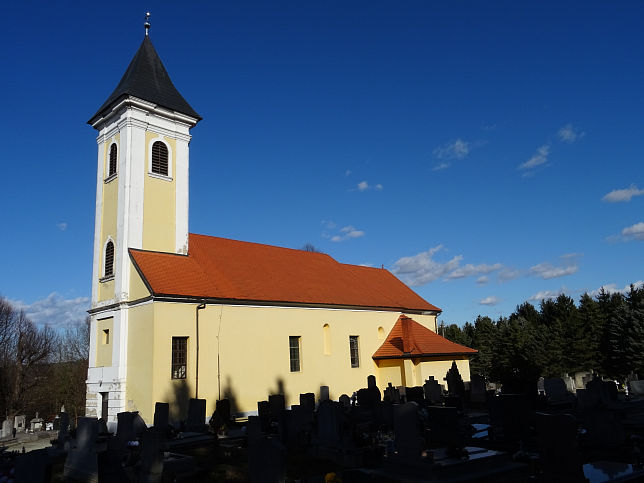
<point x="197" y="309"/>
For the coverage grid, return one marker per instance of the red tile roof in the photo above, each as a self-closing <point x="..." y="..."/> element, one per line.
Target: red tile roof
<point x="220" y="268"/>
<point x="408" y="338"/>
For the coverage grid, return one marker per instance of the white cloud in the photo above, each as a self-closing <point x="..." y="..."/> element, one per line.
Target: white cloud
<point x="457" y="149"/>
<point x="509" y="274"/>
<point x="422" y="268"/>
<point x="635" y="231"/>
<point x="54" y="310"/>
<point x="539" y="158"/>
<point x="546" y="270"/>
<point x="364" y="186"/>
<point x="441" y="166"/>
<point x="570" y="134"/>
<point x="347" y="233"/>
<point x="62" y="226"/>
<point x="545" y="295"/>
<point x="470" y="270"/>
<point x="347" y="172"/>
<point x="568" y="264"/>
<point x="625" y="194"/>
<point x="612" y="288"/>
<point x="483" y="279"/>
<point x="490" y="301"/>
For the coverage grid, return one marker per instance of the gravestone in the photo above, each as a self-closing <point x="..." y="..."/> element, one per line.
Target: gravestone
<point x="406" y="431"/>
<point x="324" y="393"/>
<point x="570" y="384"/>
<point x="443" y="426"/>
<point x="161" y="416"/>
<point x="345" y="401"/>
<point x="277" y="403"/>
<point x="477" y="389"/>
<point x="307" y="400"/>
<point x="36" y="423"/>
<point x="330" y="419"/>
<point x="376" y="396"/>
<point x="63" y="432"/>
<point x="20" y="423"/>
<point x="264" y="414"/>
<point x="455" y="385"/>
<point x="415" y="394"/>
<point x="82" y="461"/>
<point x="102" y="426"/>
<point x="541" y="387"/>
<point x="556" y="391"/>
<point x="266" y="460"/>
<point x="392" y="394"/>
<point x="32" y="467"/>
<point x="637" y="388"/>
<point x="7" y="427"/>
<point x="151" y="468"/>
<point x="557" y="444"/>
<point x="196" y="421"/>
<point x="221" y="417"/>
<point x="433" y="391"/>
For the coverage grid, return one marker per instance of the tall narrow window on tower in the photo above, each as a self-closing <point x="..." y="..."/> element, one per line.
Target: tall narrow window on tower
<point x="109" y="259"/>
<point x="111" y="171"/>
<point x="160" y="158"/>
<point x="294" y="352"/>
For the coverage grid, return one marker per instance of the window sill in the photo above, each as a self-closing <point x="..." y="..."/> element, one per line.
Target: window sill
<point x="110" y="178"/>
<point x="160" y="176"/>
<point x="106" y="279"/>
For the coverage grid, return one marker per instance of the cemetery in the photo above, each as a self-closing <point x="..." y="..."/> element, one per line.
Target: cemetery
<point x="570" y="429"/>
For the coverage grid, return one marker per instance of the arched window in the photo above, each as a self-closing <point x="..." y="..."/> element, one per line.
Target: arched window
<point x="160" y="158"/>
<point x="113" y="157"/>
<point x="109" y="259"/>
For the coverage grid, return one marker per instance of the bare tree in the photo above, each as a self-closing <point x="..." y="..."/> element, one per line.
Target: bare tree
<point x="23" y="347"/>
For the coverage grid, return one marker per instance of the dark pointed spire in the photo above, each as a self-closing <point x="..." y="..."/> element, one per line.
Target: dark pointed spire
<point x="146" y="78"/>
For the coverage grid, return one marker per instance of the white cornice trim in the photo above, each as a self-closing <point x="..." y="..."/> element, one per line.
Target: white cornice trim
<point x="151" y="107"/>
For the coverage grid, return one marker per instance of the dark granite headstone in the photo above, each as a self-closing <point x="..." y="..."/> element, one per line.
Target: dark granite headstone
<point x="406" y="430"/>
<point x="151" y="468"/>
<point x="196" y="421"/>
<point x="277" y="403"/>
<point x="82" y="462"/>
<point x="161" y="416"/>
<point x="557" y="443"/>
<point x="307" y="400"/>
<point x="264" y="414"/>
<point x="392" y="394"/>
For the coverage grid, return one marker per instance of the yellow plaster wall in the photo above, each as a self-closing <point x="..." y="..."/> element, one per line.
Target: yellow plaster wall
<point x="103" y="350"/>
<point x="439" y="368"/>
<point x="138" y="290"/>
<point x="254" y="352"/>
<point x="159" y="208"/>
<point x="140" y="360"/>
<point x="389" y="371"/>
<point x="108" y="221"/>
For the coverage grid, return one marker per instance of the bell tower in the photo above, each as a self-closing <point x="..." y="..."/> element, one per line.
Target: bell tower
<point x="141" y="202"/>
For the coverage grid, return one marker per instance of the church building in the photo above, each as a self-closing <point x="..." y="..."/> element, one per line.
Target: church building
<point x="176" y="315"/>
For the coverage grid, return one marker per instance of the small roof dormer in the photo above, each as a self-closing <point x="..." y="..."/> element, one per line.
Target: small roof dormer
<point x="146" y="78"/>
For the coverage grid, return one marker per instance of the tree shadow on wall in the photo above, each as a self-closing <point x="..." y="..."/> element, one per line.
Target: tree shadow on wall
<point x="178" y="397"/>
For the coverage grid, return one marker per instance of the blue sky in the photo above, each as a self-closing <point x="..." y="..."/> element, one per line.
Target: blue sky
<point x="487" y="153"/>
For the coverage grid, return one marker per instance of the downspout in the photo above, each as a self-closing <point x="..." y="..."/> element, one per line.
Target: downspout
<point x="197" y="309"/>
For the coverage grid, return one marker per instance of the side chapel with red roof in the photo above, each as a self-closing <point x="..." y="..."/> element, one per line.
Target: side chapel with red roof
<point x="177" y="315"/>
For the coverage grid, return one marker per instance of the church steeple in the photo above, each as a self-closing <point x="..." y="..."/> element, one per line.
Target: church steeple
<point x="146" y="78"/>
<point x="143" y="164"/>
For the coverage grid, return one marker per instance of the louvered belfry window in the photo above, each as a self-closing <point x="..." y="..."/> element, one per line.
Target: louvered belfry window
<point x="113" y="157"/>
<point x="160" y="158"/>
<point x="109" y="259"/>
